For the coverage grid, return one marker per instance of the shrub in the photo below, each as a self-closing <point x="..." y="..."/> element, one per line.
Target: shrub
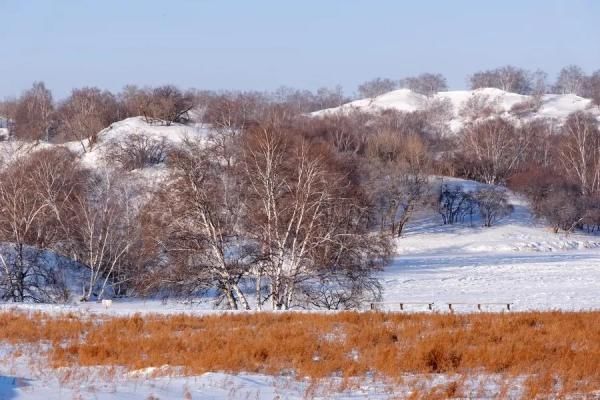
<point x="137" y="151"/>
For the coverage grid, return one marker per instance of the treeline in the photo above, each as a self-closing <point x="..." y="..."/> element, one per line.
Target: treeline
<point x="274" y="208"/>
<point x="37" y="116"/>
<point x="570" y="80"/>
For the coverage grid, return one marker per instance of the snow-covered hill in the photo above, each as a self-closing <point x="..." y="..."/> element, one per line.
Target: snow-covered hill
<point x="94" y="156"/>
<point x="553" y="106"/>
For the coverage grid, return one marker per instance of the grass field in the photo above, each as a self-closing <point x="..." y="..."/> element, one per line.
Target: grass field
<point x="552" y="352"/>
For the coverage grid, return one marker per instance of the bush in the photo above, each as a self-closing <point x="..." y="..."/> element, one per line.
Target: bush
<point x="137" y="151"/>
<point x="493" y="205"/>
<point x="454" y="204"/>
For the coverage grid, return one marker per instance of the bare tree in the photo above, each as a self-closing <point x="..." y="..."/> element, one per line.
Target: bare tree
<point x="347" y="133"/>
<point x="195" y="221"/>
<point x="507" y="78"/>
<point x="592" y="87"/>
<point x="102" y="230"/>
<point x="493" y="205"/>
<point x="164" y="104"/>
<point x="34" y="114"/>
<point x="329" y="97"/>
<point x="85" y="113"/>
<point x="571" y="79"/>
<point x="229" y="116"/>
<point x="35" y="193"/>
<point x="427" y="83"/>
<point x="454" y="204"/>
<point x="398" y="166"/>
<point x="376" y="87"/>
<point x="136" y="151"/>
<point x="8" y="111"/>
<point x="493" y="148"/>
<point x="562" y="209"/>
<point x="580" y="151"/>
<point x="479" y="106"/>
<point x="539" y="84"/>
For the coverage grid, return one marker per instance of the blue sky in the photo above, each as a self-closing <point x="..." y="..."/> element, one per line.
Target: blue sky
<point x="229" y="44"/>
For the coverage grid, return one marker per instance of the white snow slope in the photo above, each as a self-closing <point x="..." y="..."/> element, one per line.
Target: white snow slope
<point x="553" y="106"/>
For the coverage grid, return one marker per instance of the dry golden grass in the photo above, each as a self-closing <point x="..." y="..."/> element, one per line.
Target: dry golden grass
<point x="556" y="351"/>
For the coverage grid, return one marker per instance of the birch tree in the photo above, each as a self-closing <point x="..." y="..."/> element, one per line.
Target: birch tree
<point x="580" y="151"/>
<point x="195" y="222"/>
<point x="34" y="114"/>
<point x="494" y="148"/>
<point x="293" y="211"/>
<point x="103" y="217"/>
<point x="35" y="195"/>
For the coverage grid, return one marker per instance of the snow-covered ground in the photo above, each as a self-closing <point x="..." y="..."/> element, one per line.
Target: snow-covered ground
<point x="19" y="381"/>
<point x="518" y="260"/>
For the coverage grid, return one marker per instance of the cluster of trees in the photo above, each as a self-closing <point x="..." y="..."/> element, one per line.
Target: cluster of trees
<point x="561" y="173"/>
<point x="455" y="204"/>
<point x="275" y="208"/>
<point x="570" y="80"/>
<point x="427" y="84"/>
<point x="49" y="202"/>
<point x="262" y="202"/>
<point x="37" y="116"/>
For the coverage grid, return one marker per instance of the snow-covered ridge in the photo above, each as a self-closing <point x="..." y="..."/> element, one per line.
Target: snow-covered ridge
<point x="94" y="155"/>
<point x="553" y="106"/>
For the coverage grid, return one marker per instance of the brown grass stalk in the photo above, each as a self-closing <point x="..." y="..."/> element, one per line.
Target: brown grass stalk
<point x="558" y="352"/>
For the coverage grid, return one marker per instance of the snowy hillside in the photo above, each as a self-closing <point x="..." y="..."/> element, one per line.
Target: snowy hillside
<point x="552" y="106"/>
<point x="119" y="131"/>
<point x="95" y="155"/>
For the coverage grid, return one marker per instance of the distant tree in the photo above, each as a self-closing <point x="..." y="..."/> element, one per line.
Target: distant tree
<point x="427" y="83"/>
<point x="329" y="97"/>
<point x="437" y="115"/>
<point x="591" y="215"/>
<point x="34" y="114"/>
<point x="376" y="87"/>
<point x="85" y="113"/>
<point x="169" y="104"/>
<point x="571" y="80"/>
<point x="164" y="104"/>
<point x="592" y="87"/>
<point x="229" y="116"/>
<point x="493" y="205"/>
<point x="507" y="78"/>
<point x="8" y="109"/>
<point x="479" y="106"/>
<point x="539" y="84"/>
<point x="345" y="132"/>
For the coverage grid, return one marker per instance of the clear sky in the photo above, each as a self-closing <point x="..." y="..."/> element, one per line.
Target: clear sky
<point x="243" y="44"/>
